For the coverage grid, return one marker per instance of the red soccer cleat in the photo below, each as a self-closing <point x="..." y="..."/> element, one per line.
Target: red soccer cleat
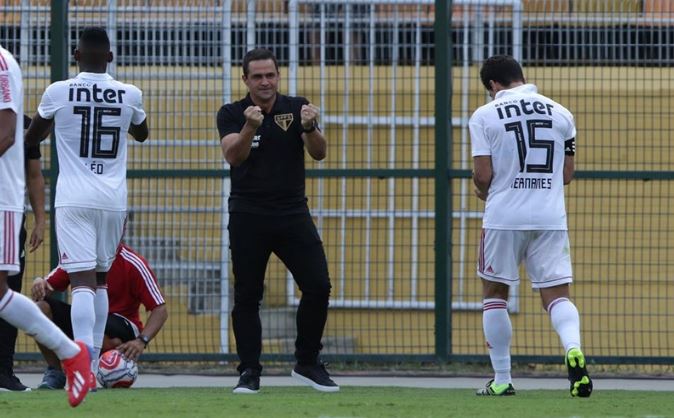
<point x="78" y="375"/>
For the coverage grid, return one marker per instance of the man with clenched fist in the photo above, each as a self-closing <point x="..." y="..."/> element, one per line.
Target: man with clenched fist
<point x="263" y="137"/>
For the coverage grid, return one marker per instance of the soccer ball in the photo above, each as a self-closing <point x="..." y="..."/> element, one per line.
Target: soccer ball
<point x="115" y="370"/>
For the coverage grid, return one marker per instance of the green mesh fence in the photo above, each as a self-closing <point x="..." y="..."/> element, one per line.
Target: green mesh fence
<point x="609" y="62"/>
<point x="369" y="66"/>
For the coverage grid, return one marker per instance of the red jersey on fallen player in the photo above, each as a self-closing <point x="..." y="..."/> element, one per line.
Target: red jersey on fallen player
<point x="131" y="282"/>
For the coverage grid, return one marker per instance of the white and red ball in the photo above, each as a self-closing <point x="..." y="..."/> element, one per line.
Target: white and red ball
<point x="116" y="370"/>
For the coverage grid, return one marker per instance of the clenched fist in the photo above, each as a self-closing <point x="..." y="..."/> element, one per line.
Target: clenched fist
<point x="309" y="114"/>
<point x="254" y="116"/>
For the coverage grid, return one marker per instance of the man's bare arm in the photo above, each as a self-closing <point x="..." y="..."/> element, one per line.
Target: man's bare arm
<point x="569" y="169"/>
<point x="36" y="195"/>
<point x="38" y="130"/>
<point x="7" y="129"/>
<point x="482" y="175"/>
<point x="236" y="146"/>
<point x="139" y="132"/>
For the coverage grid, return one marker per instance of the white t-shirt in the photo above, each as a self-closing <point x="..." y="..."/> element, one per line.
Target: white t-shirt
<point x="12" y="169"/>
<point x="524" y="133"/>
<point x="92" y="113"/>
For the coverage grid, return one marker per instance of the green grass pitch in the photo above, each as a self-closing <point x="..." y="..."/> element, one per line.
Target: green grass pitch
<point x="281" y="402"/>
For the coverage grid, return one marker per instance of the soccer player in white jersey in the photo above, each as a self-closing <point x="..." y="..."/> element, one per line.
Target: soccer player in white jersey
<point x="15" y="308"/>
<point x="523" y="145"/>
<point x="92" y="114"/>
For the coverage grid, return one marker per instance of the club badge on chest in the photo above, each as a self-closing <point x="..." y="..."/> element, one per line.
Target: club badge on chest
<point x="284" y="121"/>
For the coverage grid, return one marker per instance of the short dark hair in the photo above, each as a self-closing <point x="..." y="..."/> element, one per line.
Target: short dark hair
<point x="94" y="38"/>
<point x="503" y="69"/>
<point x="258" y="54"/>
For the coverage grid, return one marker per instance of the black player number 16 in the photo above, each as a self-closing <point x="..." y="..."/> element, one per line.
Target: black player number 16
<point x="99" y="131"/>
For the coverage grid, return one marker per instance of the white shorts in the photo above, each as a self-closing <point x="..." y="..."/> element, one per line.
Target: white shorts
<point x="88" y="238"/>
<point x="10" y="226"/>
<point x="546" y="256"/>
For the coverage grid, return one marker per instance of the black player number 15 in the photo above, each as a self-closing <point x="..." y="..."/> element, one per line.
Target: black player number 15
<point x="98" y="132"/>
<point x="547" y="145"/>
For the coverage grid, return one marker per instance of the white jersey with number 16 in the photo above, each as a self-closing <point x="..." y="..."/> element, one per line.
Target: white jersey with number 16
<point x="92" y="114"/>
<point x="524" y="133"/>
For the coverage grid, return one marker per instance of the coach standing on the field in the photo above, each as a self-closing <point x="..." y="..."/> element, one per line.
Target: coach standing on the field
<point x="263" y="137"/>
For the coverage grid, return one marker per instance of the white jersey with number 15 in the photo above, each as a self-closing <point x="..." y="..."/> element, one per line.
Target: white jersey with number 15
<point x="524" y="134"/>
<point x="92" y="114"/>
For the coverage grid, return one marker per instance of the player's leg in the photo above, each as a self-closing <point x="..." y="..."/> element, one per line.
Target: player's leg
<point x="17" y="309"/>
<point x="21" y="312"/>
<point x="101" y="306"/>
<point x="8" y="333"/>
<point x="76" y="235"/>
<point x="110" y="343"/>
<point x="500" y="254"/>
<point x="59" y="313"/>
<point x="250" y="247"/>
<point x="548" y="264"/>
<point x="119" y="330"/>
<point x="301" y="250"/>
<point x="110" y="231"/>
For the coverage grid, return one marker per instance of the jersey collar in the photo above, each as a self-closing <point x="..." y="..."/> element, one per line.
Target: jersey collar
<point x="276" y="107"/>
<point x="94" y="76"/>
<point x="525" y="88"/>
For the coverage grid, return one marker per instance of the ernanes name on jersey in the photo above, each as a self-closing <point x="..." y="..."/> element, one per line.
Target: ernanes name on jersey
<point x="92" y="114"/>
<point x="524" y="133"/>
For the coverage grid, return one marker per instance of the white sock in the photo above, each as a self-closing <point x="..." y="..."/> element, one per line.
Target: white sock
<point x="101" y="309"/>
<point x="22" y="313"/>
<point x="566" y="321"/>
<point x="83" y="316"/>
<point x="498" y="332"/>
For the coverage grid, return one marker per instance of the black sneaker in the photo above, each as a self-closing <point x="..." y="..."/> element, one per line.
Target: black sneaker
<point x="316" y="376"/>
<point x="53" y="379"/>
<point x="11" y="383"/>
<point x="249" y="382"/>
<point x="581" y="384"/>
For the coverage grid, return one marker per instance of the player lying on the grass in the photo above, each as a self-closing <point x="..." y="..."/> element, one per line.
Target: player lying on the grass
<point x="131" y="282"/>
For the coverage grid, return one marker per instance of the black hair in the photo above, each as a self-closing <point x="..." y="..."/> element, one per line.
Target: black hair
<point x="94" y="38"/>
<point x="503" y="69"/>
<point x="258" y="54"/>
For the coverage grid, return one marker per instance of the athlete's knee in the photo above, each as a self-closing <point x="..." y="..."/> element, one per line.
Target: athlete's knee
<point x="319" y="290"/>
<point x="550" y="294"/>
<point x="110" y="343"/>
<point x="495" y="290"/>
<point x="101" y="278"/>
<point x="45" y="308"/>
<point x="247" y="300"/>
<point x="3" y="285"/>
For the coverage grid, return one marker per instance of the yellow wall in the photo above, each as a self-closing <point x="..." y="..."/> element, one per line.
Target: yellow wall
<point x="620" y="230"/>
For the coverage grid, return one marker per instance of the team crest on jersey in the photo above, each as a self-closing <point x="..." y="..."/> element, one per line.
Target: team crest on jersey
<point x="284" y="120"/>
